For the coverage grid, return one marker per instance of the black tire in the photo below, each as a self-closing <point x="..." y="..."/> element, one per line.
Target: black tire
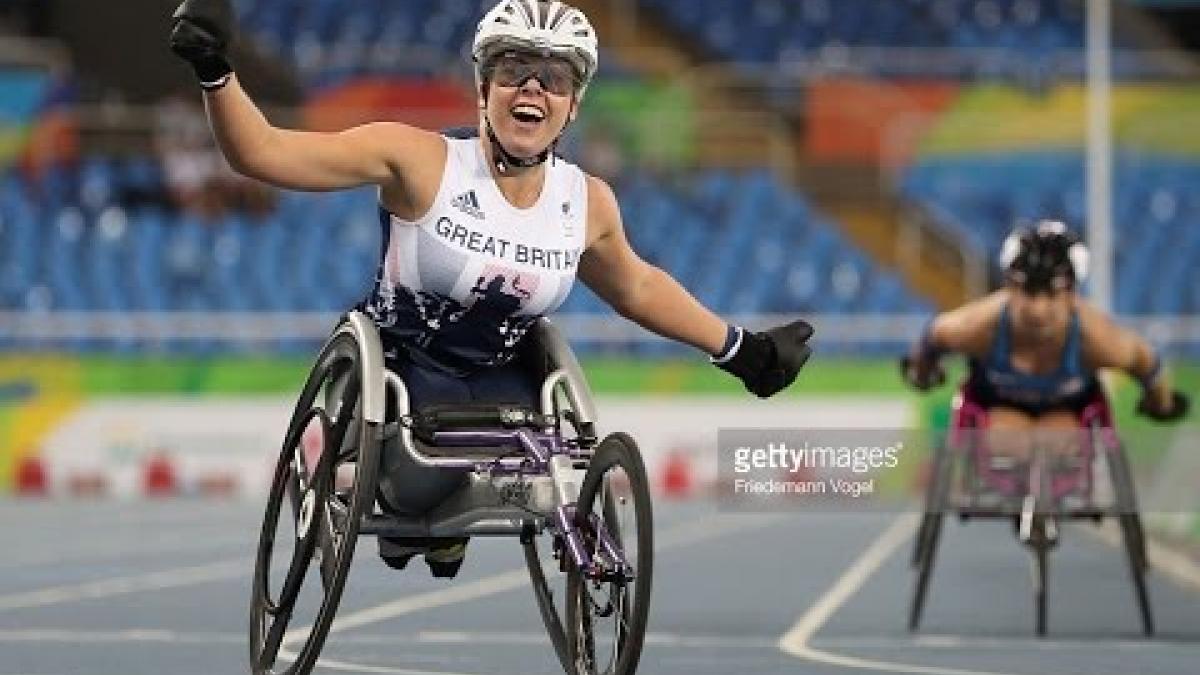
<point x="925" y="551"/>
<point x="1041" y="563"/>
<point x="932" y="508"/>
<point x="550" y="612"/>
<point x="325" y="516"/>
<point x="1134" y="540"/>
<point x="924" y="569"/>
<point x="616" y="493"/>
<point x="1127" y="502"/>
<point x="1132" y="534"/>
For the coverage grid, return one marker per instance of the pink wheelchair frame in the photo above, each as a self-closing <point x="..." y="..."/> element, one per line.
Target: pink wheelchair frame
<point x="1035" y="495"/>
<point x="1096" y="428"/>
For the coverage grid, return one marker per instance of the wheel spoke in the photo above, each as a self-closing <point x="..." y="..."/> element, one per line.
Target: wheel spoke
<point x="274" y="639"/>
<point x="343" y="414"/>
<point x="295" y="576"/>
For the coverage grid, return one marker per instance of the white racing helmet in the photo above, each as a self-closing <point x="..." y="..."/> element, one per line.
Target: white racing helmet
<point x="547" y="26"/>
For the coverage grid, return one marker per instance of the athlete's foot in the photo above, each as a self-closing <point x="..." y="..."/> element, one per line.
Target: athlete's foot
<point x="397" y="551"/>
<point x="397" y="562"/>
<point x="446" y="557"/>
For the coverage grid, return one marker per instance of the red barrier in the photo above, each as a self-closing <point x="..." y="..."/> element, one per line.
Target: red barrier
<point x="677" y="480"/>
<point x="159" y="478"/>
<point x="31" y="479"/>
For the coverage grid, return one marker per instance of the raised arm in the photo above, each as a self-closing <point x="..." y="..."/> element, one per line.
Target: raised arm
<point x="377" y="153"/>
<point x="765" y="362"/>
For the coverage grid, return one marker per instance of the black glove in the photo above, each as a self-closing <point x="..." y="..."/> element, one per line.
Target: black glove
<point x="921" y="378"/>
<point x="203" y="31"/>
<point x="1148" y="407"/>
<point x="768" y="362"/>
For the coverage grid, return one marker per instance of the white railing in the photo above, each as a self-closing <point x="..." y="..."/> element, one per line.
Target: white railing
<point x="238" y="328"/>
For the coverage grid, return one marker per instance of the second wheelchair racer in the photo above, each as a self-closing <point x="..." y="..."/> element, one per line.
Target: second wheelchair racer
<point x="1034" y="346"/>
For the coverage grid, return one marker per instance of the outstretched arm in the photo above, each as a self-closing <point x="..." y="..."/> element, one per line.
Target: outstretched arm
<point x="636" y="289"/>
<point x="1108" y="345"/>
<point x="765" y="362"/>
<point x="967" y="329"/>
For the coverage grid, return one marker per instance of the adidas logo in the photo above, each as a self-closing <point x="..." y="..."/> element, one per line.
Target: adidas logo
<point x="468" y="203"/>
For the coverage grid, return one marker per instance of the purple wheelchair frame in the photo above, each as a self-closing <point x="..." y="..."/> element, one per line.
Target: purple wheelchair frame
<point x="545" y="454"/>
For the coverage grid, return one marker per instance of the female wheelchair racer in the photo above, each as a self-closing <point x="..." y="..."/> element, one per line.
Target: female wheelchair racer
<point x="482" y="236"/>
<point x="1032" y="415"/>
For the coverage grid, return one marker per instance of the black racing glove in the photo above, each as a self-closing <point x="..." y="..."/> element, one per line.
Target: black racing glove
<point x="921" y="376"/>
<point x="202" y="33"/>
<point x="768" y="362"/>
<point x="1148" y="407"/>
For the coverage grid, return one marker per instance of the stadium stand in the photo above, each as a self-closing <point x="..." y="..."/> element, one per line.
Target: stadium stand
<point x="983" y="37"/>
<point x="1155" y="213"/>
<point x="75" y="247"/>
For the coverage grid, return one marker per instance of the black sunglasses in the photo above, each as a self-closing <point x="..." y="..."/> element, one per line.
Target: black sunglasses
<point x="514" y="69"/>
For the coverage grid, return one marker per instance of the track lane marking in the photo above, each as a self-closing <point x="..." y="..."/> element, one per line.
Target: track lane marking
<point x="105" y="588"/>
<point x="796" y="641"/>
<point x="184" y="544"/>
<point x="1175" y="565"/>
<point x="677" y="537"/>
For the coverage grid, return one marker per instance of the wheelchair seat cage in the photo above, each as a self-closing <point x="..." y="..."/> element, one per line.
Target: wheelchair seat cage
<point x="355" y="453"/>
<point x="1035" y="494"/>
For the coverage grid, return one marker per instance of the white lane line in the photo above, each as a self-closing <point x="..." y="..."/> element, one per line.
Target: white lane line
<point x="796" y="640"/>
<point x="185" y="544"/>
<point x="152" y="635"/>
<point x="1176" y="565"/>
<point x="1022" y="644"/>
<point x="104" y="588"/>
<point x="853" y="578"/>
<point x="662" y="640"/>
<point x="498" y="583"/>
<point x="506" y="638"/>
<point x="676" y="537"/>
<point x="680" y="536"/>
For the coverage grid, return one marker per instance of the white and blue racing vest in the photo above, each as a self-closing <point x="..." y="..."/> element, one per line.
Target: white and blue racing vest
<point x="464" y="283"/>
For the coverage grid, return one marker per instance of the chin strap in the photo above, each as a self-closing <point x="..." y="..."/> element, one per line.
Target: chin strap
<point x="505" y="159"/>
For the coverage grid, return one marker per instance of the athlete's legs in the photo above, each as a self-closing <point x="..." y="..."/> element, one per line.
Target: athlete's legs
<point x="1058" y="433"/>
<point x="1016" y="434"/>
<point x="511" y="383"/>
<point x="1009" y="433"/>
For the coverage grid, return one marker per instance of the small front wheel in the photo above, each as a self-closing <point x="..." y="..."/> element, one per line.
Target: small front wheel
<point x="608" y="601"/>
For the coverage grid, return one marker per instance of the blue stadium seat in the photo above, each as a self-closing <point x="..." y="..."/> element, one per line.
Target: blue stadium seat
<point x="996" y="38"/>
<point x="1155" y="212"/>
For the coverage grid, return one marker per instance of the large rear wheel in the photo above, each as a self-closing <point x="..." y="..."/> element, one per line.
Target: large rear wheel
<point x="324" y="482"/>
<point x="609" y="600"/>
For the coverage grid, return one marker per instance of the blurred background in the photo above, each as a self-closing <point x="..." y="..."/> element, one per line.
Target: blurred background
<point x="854" y="162"/>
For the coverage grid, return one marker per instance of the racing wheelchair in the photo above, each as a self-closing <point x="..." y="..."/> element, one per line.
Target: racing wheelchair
<point x="969" y="480"/>
<point x="379" y="468"/>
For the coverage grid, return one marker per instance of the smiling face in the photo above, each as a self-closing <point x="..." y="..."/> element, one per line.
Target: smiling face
<point x="529" y="100"/>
